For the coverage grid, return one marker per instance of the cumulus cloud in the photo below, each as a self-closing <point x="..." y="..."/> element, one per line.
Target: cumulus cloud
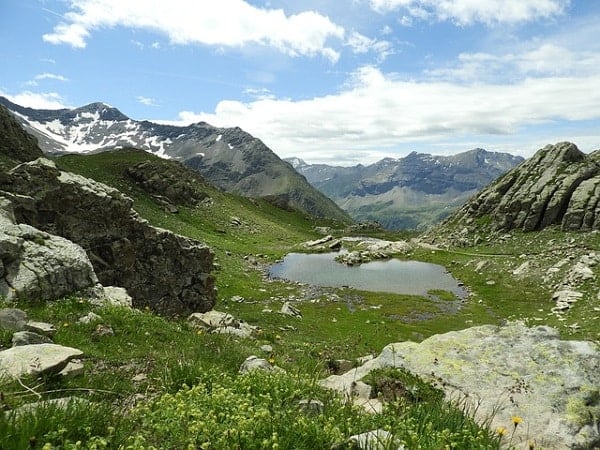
<point x="227" y="23"/>
<point x="38" y="100"/>
<point x="377" y="112"/>
<point x="466" y="12"/>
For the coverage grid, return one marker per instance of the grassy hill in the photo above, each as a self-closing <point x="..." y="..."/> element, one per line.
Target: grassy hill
<point x="158" y="383"/>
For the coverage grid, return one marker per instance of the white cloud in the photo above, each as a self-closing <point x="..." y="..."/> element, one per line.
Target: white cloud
<point x="147" y="101"/>
<point x="466" y="12"/>
<point x="542" y="60"/>
<point x="379" y="112"/>
<point x="50" y="76"/>
<point x="362" y="44"/>
<point x="227" y="23"/>
<point x="38" y="100"/>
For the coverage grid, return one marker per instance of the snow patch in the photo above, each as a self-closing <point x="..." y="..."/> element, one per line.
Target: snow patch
<point x="218" y="138"/>
<point x="230" y="146"/>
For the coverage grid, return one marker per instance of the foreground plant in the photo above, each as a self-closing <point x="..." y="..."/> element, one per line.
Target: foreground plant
<point x="262" y="410"/>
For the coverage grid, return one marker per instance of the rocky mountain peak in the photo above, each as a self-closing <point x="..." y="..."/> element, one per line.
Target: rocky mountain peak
<point x="99" y="109"/>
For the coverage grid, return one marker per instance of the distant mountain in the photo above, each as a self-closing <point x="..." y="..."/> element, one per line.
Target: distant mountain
<point x="230" y="158"/>
<point x="411" y="192"/>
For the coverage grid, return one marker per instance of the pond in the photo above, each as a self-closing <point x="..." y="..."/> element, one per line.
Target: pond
<point x="395" y="276"/>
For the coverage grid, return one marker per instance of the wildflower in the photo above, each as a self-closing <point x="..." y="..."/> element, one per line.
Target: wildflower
<point x="271" y="360"/>
<point x="199" y="332"/>
<point x="66" y="324"/>
<point x="516" y="420"/>
<point x="501" y="431"/>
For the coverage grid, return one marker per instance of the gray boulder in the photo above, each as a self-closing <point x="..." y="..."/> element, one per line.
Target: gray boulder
<point x="252" y="363"/>
<point x="164" y="271"/>
<point x="13" y="319"/>
<point x="222" y="323"/>
<point x="35" y="360"/>
<point x="28" y="338"/>
<point x="36" y="265"/>
<point x="289" y="310"/>
<point x="502" y="372"/>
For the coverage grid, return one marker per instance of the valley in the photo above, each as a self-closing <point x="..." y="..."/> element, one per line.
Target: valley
<point x="152" y="381"/>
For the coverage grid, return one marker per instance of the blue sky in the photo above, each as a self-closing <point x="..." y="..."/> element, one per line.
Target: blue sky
<point x="333" y="81"/>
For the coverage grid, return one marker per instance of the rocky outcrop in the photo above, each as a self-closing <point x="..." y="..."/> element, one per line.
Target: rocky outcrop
<point x="164" y="271"/>
<point x="172" y="181"/>
<point x="221" y="323"/>
<point x="559" y="185"/>
<point x="14" y="141"/>
<point x="37" y="266"/>
<point x="552" y="386"/>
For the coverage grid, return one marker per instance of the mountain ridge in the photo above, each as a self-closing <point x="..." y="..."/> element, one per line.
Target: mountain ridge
<point x="410" y="192"/>
<point x="230" y="158"/>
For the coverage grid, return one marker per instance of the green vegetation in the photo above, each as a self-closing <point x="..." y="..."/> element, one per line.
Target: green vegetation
<point x="158" y="383"/>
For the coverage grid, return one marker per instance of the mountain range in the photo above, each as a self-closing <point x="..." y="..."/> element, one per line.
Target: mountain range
<point x="411" y="192"/>
<point x="230" y="158"/>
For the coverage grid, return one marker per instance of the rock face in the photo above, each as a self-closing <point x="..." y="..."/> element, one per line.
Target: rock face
<point x="35" y="265"/>
<point x="14" y="141"/>
<point x="559" y="185"/>
<point x="161" y="270"/>
<point x="503" y="372"/>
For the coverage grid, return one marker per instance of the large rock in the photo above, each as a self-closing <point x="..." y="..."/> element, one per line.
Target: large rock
<point x="36" y="265"/>
<point x="35" y="360"/>
<point x="503" y="372"/>
<point x="164" y="271"/>
<point x="559" y="185"/>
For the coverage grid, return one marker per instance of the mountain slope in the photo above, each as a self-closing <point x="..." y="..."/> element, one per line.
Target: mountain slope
<point x="410" y="192"/>
<point x="15" y="143"/>
<point x="230" y="158"/>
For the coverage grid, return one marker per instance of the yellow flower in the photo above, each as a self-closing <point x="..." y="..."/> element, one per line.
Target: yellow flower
<point x="66" y="324"/>
<point x="516" y="420"/>
<point x="501" y="431"/>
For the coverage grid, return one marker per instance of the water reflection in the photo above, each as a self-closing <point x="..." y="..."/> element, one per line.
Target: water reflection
<point x="399" y="277"/>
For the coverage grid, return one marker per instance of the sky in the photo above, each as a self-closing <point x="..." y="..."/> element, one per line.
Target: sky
<point x="329" y="81"/>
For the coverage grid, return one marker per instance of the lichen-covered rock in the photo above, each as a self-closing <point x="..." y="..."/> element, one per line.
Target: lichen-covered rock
<point x="552" y="385"/>
<point x="164" y="271"/>
<point x="559" y="185"/>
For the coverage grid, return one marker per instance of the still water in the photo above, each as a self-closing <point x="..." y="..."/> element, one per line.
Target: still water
<point x="399" y="277"/>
